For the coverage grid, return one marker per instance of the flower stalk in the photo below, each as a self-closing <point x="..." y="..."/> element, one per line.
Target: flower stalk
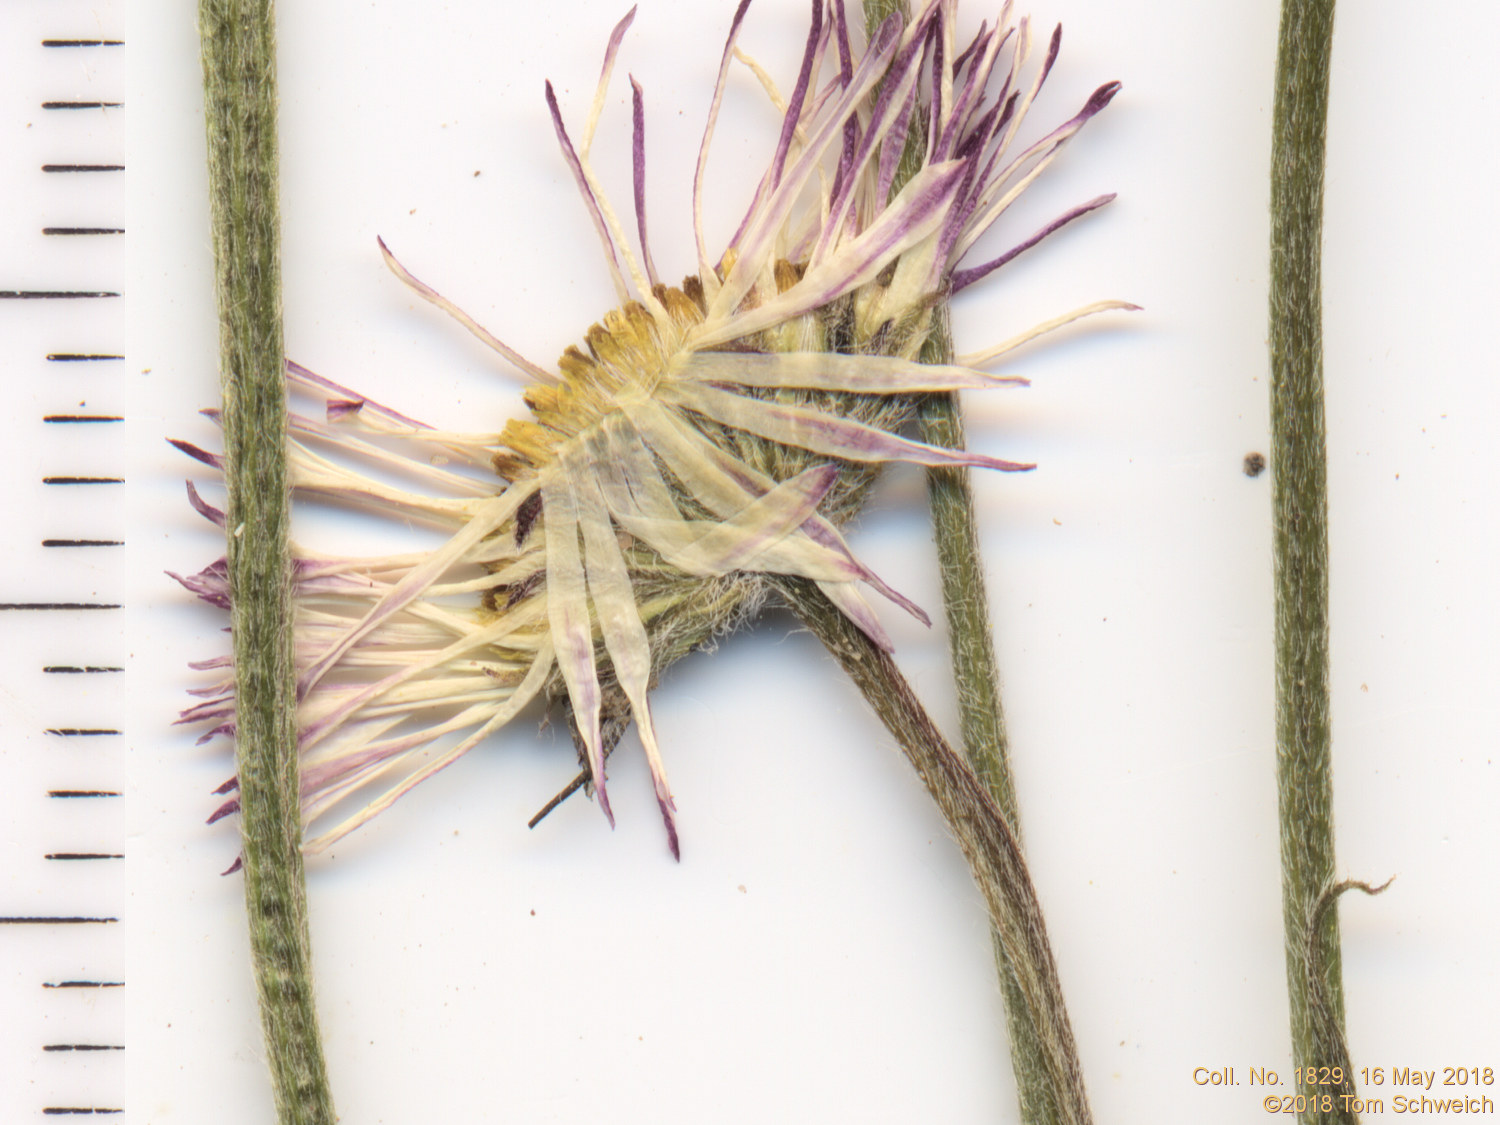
<point x="987" y="842"/>
<point x="966" y="605"/>
<point x="976" y="674"/>
<point x="981" y="717"/>
<point x="1299" y="463"/>
<point x="239" y="82"/>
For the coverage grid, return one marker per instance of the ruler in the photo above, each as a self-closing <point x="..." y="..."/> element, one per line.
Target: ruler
<point x="62" y="668"/>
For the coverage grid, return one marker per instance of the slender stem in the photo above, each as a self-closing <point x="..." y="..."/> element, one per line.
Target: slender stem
<point x="239" y="82"/>
<point x="976" y="674"/>
<point x="981" y="719"/>
<point x="1299" y="463"/>
<point x="980" y="829"/>
<point x="966" y="604"/>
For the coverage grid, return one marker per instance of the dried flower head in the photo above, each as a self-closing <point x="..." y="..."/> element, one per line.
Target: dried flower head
<point x="705" y="436"/>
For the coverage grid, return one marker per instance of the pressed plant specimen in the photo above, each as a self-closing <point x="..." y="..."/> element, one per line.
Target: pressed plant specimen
<point x="700" y="451"/>
<point x="706" y="432"/>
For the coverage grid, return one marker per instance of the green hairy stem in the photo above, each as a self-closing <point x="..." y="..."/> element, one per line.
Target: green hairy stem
<point x="239" y="83"/>
<point x="981" y="831"/>
<point x="1299" y="462"/>
<point x="981" y="719"/>
<point x="966" y="604"/>
<point x="976" y="675"/>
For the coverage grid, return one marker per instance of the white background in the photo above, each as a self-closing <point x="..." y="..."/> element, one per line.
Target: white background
<point x="820" y="954"/>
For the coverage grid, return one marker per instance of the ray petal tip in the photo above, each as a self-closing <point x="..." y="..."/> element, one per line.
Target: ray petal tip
<point x="1102" y="97"/>
<point x="601" y="795"/>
